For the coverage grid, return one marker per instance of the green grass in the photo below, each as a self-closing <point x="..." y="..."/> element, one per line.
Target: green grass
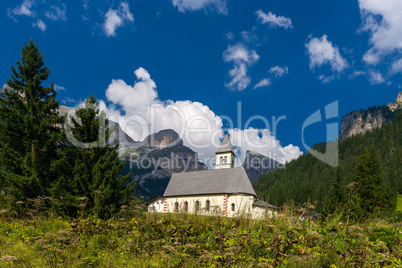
<point x="399" y="203"/>
<point x="180" y="240"/>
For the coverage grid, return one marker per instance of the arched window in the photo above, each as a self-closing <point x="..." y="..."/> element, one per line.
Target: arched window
<point x="186" y="206"/>
<point x="221" y="160"/>
<point x="225" y="160"/>
<point x="233" y="207"/>
<point x="176" y="207"/>
<point x="197" y="205"/>
<point x="207" y="205"/>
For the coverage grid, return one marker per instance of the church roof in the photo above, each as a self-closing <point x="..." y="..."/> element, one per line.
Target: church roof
<point x="214" y="181"/>
<point x="260" y="203"/>
<point x="226" y="146"/>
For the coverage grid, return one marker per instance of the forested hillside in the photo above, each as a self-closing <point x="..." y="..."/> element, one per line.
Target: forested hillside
<point x="307" y="179"/>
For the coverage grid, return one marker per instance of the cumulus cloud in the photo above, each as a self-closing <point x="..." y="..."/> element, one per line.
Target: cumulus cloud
<point x="40" y="24"/>
<point x="383" y="21"/>
<point x="263" y="142"/>
<point x="242" y="58"/>
<point x="117" y="18"/>
<point x="375" y="77"/>
<point x="273" y="20"/>
<point x="143" y="113"/>
<point x="321" y="51"/>
<point x="194" y="5"/>
<point x="263" y="83"/>
<point x="279" y="71"/>
<point x="56" y="13"/>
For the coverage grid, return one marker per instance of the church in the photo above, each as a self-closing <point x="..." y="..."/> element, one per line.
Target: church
<point x="225" y="191"/>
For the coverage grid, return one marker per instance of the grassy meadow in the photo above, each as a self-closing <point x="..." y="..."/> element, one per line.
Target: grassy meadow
<point x="399" y="203"/>
<point x="180" y="240"/>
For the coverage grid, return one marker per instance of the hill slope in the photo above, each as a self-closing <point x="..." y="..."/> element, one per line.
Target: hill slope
<point x="308" y="179"/>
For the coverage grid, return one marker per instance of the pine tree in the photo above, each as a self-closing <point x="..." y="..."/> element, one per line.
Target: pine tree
<point x="29" y="136"/>
<point x="371" y="188"/>
<point x="336" y="197"/>
<point x="94" y="172"/>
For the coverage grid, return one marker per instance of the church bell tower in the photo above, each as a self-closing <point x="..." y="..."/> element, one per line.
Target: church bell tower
<point x="225" y="156"/>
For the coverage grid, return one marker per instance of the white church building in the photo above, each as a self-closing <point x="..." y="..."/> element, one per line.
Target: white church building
<point x="225" y="191"/>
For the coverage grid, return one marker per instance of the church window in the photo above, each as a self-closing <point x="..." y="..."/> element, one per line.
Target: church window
<point x="233" y="207"/>
<point x="176" y="206"/>
<point x="221" y="160"/>
<point x="225" y="160"/>
<point x="185" y="206"/>
<point x="207" y="205"/>
<point x="197" y="205"/>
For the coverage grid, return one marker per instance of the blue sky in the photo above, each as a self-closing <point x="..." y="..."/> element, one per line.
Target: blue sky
<point x="278" y="58"/>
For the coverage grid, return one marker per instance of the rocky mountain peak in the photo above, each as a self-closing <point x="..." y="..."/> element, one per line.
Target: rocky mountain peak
<point x="162" y="139"/>
<point x="359" y="122"/>
<point x="257" y="164"/>
<point x="399" y="97"/>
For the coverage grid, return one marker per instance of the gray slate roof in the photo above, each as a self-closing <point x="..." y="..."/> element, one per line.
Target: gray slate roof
<point x="260" y="203"/>
<point x="214" y="181"/>
<point x="226" y="146"/>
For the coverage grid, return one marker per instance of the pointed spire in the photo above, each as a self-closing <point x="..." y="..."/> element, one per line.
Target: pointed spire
<point x="226" y="146"/>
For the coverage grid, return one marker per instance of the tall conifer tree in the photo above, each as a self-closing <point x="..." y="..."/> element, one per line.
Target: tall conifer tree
<point x="95" y="170"/>
<point x="28" y="127"/>
<point x="371" y="187"/>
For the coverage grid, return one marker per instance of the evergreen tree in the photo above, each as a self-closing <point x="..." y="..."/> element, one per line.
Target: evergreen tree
<point x="94" y="172"/>
<point x="29" y="136"/>
<point x="336" y="197"/>
<point x="371" y="188"/>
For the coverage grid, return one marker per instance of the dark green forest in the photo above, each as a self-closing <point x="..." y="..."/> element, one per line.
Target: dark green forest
<point x="39" y="160"/>
<point x="308" y="180"/>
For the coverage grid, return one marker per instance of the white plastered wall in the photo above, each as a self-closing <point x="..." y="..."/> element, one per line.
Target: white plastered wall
<point x="216" y="204"/>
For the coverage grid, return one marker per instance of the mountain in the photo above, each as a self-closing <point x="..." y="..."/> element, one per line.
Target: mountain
<point x="307" y="179"/>
<point x="154" y="160"/>
<point x="257" y="164"/>
<point x="359" y="122"/>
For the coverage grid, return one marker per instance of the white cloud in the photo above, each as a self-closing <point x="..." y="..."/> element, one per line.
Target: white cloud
<point x="242" y="58"/>
<point x="117" y="18"/>
<point x="273" y="20"/>
<point x="356" y="73"/>
<point x="326" y="79"/>
<point x="263" y="142"/>
<point x="58" y="88"/>
<point x="263" y="83"/>
<point x="40" y="24"/>
<point x="198" y="126"/>
<point x="39" y="11"/>
<point x="66" y="100"/>
<point x="396" y="67"/>
<point x="321" y="51"/>
<point x="376" y="77"/>
<point x="383" y="21"/>
<point x="25" y="9"/>
<point x="194" y="5"/>
<point x="57" y="13"/>
<point x="279" y="71"/>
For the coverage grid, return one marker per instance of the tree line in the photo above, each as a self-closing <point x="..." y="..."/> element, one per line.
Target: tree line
<point x="38" y="161"/>
<point x="366" y="181"/>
